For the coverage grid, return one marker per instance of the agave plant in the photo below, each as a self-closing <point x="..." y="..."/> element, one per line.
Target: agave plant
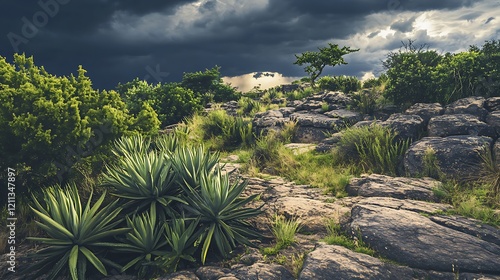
<point x="190" y="163"/>
<point x="183" y="242"/>
<point x="221" y="211"/>
<point x="145" y="180"/>
<point x="76" y="234"/>
<point x="146" y="240"/>
<point x="136" y="144"/>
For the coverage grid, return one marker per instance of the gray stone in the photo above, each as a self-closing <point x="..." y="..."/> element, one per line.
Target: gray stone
<point x="309" y="105"/>
<point x="336" y="262"/>
<point x="368" y="123"/>
<point x="493" y="119"/>
<point x="457" y="157"/>
<point x="425" y="110"/>
<point x="471" y="105"/>
<point x="459" y="124"/>
<point x="404" y="235"/>
<point x="347" y="116"/>
<point x="262" y="271"/>
<point x="376" y="185"/>
<point x="406" y="126"/>
<point x="492" y="104"/>
<point x="336" y="97"/>
<point x="289" y="88"/>
<point x="268" y="120"/>
<point x="287" y="111"/>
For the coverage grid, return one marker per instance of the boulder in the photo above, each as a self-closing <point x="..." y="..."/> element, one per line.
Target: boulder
<point x="425" y="110"/>
<point x="459" y="124"/>
<point x="329" y="143"/>
<point x="492" y="104"/>
<point x="376" y="185"/>
<point x="493" y="119"/>
<point x="456" y="157"/>
<point x="287" y="111"/>
<point x="255" y="271"/>
<point x="289" y="88"/>
<point x="336" y="262"/>
<point x="336" y="98"/>
<point x="312" y="128"/>
<point x="268" y="120"/>
<point x="406" y="126"/>
<point x="471" y="105"/>
<point x="398" y="230"/>
<point x="349" y="117"/>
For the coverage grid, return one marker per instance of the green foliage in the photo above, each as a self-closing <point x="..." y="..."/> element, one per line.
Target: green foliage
<point x="271" y="94"/>
<point x="249" y="107"/>
<point x="421" y="75"/>
<point x="337" y="237"/>
<point x="410" y="72"/>
<point x="345" y="84"/>
<point x="171" y="101"/>
<point x="284" y="230"/>
<point x="208" y="86"/>
<point x="76" y="233"/>
<point x="49" y="123"/>
<point x="183" y="242"/>
<point x="300" y="94"/>
<point x="144" y="240"/>
<point x="366" y="101"/>
<point x="373" y="148"/>
<point x="232" y="131"/>
<point x="222" y="214"/>
<point x="430" y="164"/>
<point x="376" y="82"/>
<point x="191" y="164"/>
<point x="327" y="56"/>
<point x="146" y="179"/>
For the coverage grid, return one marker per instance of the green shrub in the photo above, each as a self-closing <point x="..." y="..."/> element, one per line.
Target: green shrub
<point x="249" y="107"/>
<point x="300" y="93"/>
<point x="50" y="123"/>
<point x="77" y="234"/>
<point x="365" y="101"/>
<point x="271" y="94"/>
<point x="345" y="84"/>
<point x="373" y="148"/>
<point x="232" y="131"/>
<point x="376" y="82"/>
<point x="208" y="86"/>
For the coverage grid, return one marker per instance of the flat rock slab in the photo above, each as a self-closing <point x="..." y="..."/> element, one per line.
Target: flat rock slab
<point x="300" y="148"/>
<point x="399" y="231"/>
<point x="336" y="262"/>
<point x="376" y="185"/>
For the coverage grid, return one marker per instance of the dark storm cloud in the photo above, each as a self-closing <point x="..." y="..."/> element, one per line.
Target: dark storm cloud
<point x="259" y="41"/>
<point x="403" y="25"/>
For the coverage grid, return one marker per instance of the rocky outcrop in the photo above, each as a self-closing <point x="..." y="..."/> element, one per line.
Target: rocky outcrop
<point x="349" y="117"/>
<point x="493" y="120"/>
<point x="312" y="128"/>
<point x="471" y="105"/>
<point x="269" y="120"/>
<point x="401" y="230"/>
<point x="456" y="157"/>
<point x="459" y="124"/>
<point x="406" y="126"/>
<point x="425" y="110"/>
<point x="376" y="185"/>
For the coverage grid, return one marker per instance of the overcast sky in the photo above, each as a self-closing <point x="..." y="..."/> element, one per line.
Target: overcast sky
<point x="116" y="41"/>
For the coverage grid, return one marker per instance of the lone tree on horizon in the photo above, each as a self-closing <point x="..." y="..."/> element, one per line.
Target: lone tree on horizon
<point x="327" y="56"/>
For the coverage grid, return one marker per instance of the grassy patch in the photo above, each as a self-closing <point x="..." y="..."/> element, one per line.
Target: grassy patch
<point x="284" y="231"/>
<point x="337" y="237"/>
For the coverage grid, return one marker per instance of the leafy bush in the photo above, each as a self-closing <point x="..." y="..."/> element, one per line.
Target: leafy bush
<point x="208" y="86"/>
<point x="232" y="131"/>
<point x="345" y="84"/>
<point x="300" y="94"/>
<point x="284" y="230"/>
<point x="49" y="123"/>
<point x="422" y="75"/>
<point x="76" y="234"/>
<point x="249" y="107"/>
<point x="376" y="82"/>
<point x="373" y="148"/>
<point x="170" y="101"/>
<point x="366" y="101"/>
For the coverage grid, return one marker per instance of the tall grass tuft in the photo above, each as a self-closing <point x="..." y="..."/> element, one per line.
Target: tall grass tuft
<point x="372" y="148"/>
